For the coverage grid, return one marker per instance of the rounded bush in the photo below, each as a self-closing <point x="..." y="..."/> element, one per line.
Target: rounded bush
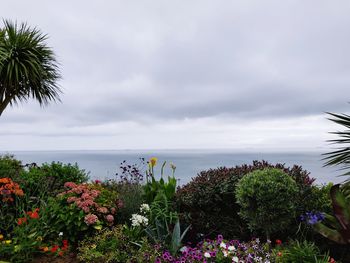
<point x="267" y="199"/>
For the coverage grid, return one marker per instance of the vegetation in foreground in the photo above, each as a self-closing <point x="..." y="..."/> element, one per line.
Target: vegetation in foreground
<point x="240" y="214"/>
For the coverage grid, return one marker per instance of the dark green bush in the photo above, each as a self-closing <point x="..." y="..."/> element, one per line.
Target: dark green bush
<point x="208" y="201"/>
<point x="267" y="199"/>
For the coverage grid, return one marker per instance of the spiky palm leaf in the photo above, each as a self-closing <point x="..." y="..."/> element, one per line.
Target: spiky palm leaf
<point x="28" y="67"/>
<point x="341" y="156"/>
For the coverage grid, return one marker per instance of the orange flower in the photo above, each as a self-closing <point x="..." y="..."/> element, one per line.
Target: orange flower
<point x="279" y="254"/>
<point x="45" y="249"/>
<point x="5" y="180"/>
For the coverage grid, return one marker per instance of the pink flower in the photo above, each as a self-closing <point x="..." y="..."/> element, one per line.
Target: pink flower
<point x="113" y="210"/>
<point x="86" y="209"/>
<point x="102" y="210"/>
<point x="97" y="181"/>
<point x="86" y="196"/>
<point x="94" y="193"/>
<point x="110" y="218"/>
<point x="90" y="219"/>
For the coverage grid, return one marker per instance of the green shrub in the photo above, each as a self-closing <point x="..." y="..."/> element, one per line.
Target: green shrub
<point x="295" y="251"/>
<point x="319" y="199"/>
<point x="267" y="199"/>
<point x="50" y="178"/>
<point x="114" y="246"/>
<point x="208" y="201"/>
<point x="10" y="167"/>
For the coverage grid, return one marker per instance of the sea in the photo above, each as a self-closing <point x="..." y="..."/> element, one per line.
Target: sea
<point x="105" y="164"/>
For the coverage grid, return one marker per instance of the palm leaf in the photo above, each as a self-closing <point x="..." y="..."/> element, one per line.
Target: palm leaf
<point x="28" y="67"/>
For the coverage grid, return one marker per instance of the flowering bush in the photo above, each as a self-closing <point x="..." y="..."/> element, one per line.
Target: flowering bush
<point x="81" y="208"/>
<point x="99" y="204"/>
<point x="9" y="190"/>
<point x="25" y="239"/>
<point x="10" y="195"/>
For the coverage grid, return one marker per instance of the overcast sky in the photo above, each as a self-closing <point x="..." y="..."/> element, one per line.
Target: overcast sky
<point x="244" y="75"/>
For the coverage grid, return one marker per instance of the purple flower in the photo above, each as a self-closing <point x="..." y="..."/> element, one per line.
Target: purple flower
<point x="312" y="218"/>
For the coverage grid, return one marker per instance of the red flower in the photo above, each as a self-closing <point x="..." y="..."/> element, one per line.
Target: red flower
<point x="279" y="254"/>
<point x="65" y="244"/>
<point x="278" y="242"/>
<point x="34" y="214"/>
<point x="54" y="248"/>
<point x="97" y="181"/>
<point x="60" y="253"/>
<point x="332" y="260"/>
<point x="21" y="220"/>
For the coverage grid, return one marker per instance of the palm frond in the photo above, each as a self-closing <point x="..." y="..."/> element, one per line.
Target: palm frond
<point x="341" y="156"/>
<point x="28" y="67"/>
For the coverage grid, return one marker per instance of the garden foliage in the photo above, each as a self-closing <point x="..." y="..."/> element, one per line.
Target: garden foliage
<point x="208" y="202"/>
<point x="267" y="199"/>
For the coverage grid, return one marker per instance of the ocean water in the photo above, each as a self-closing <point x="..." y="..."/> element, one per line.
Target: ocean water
<point x="104" y="164"/>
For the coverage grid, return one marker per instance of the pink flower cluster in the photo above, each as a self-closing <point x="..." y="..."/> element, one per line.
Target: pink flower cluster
<point x="90" y="219"/>
<point x="85" y="198"/>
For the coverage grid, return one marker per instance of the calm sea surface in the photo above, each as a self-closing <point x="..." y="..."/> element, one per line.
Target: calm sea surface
<point x="104" y="164"/>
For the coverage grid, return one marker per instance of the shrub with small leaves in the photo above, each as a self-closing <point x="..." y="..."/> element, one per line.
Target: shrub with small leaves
<point x="267" y="199"/>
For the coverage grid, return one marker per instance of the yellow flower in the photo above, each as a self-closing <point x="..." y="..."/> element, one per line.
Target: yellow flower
<point x="8" y="242"/>
<point x="153" y="161"/>
<point x="1" y="237"/>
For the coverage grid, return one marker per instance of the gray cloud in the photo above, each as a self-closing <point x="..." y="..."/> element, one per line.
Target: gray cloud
<point x="152" y="63"/>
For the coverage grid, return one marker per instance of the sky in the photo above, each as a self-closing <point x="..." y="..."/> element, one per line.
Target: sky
<point x="242" y="75"/>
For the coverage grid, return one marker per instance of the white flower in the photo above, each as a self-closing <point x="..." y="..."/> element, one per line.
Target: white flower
<point x="222" y="245"/>
<point x="225" y="253"/>
<point x="144" y="208"/>
<point x="138" y="220"/>
<point x="235" y="259"/>
<point x="231" y="248"/>
<point x="60" y="234"/>
<point x="207" y="255"/>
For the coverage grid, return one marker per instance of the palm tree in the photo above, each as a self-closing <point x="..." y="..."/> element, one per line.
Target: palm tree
<point x="28" y="67"/>
<point x="340" y="156"/>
